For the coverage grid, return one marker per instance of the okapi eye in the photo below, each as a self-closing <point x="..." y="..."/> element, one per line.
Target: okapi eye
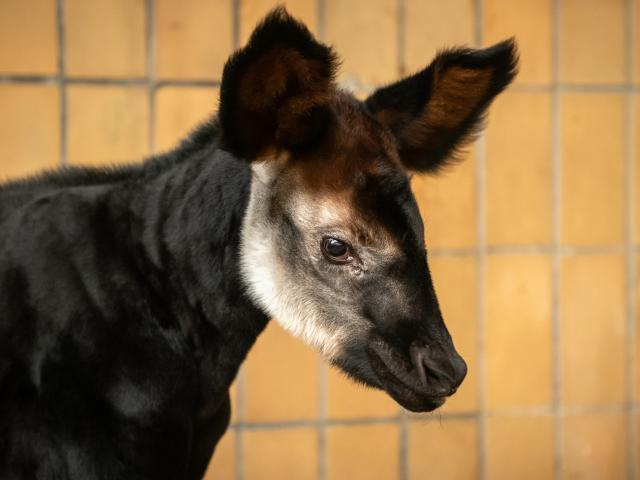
<point x="336" y="250"/>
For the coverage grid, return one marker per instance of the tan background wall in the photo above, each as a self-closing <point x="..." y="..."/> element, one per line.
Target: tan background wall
<point x="534" y="240"/>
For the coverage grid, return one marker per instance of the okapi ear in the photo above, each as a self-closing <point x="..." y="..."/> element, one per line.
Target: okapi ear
<point x="275" y="91"/>
<point x="438" y="110"/>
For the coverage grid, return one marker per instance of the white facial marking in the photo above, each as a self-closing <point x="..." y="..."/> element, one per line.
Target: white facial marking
<point x="268" y="281"/>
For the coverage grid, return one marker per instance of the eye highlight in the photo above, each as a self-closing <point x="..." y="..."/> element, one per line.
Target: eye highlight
<point x="336" y="250"/>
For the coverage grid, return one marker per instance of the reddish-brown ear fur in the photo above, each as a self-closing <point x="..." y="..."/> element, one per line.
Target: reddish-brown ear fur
<point x="438" y="110"/>
<point x="276" y="90"/>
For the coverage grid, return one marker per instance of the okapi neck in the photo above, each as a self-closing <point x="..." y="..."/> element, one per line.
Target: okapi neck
<point x="184" y="231"/>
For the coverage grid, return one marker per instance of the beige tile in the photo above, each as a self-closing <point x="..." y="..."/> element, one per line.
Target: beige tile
<point x="29" y="129"/>
<point x="446" y="449"/>
<point x="592" y="330"/>
<point x="105" y="38"/>
<point x="281" y="378"/>
<point x="28" y="37"/>
<point x="594" y="447"/>
<point x="520" y="448"/>
<point x="529" y="21"/>
<point x="447" y="204"/>
<point x="347" y="399"/>
<point x="107" y="125"/>
<point x="455" y="281"/>
<point x="592" y="155"/>
<point x="179" y="110"/>
<point x="252" y="11"/>
<point x="518" y="331"/>
<point x="592" y="41"/>
<point x="193" y="39"/>
<point x="433" y="25"/>
<point x="223" y="463"/>
<point x="362" y="452"/>
<point x="281" y="454"/>
<point x="518" y="178"/>
<point x="369" y="57"/>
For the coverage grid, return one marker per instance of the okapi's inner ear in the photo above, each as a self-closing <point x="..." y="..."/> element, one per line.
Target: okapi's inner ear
<point x="275" y="91"/>
<point x="438" y="110"/>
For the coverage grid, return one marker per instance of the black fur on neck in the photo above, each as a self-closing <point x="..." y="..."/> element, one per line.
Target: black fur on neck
<point x="124" y="319"/>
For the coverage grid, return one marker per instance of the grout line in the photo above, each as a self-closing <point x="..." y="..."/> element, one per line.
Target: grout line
<point x="630" y="139"/>
<point x="315" y="423"/>
<point x="481" y="303"/>
<point x="401" y="10"/>
<point x="403" y="444"/>
<point x="37" y="79"/>
<point x="176" y="82"/>
<point x="564" y="251"/>
<point x="322" y="418"/>
<point x="238" y="427"/>
<point x="323" y="372"/>
<point x="537" y="411"/>
<point x="106" y="81"/>
<point x="556" y="247"/>
<point x="60" y="79"/>
<point x="571" y="87"/>
<point x="598" y="88"/>
<point x="204" y="82"/>
<point x="235" y="23"/>
<point x="320" y="19"/>
<point x="480" y="250"/>
<point x="403" y="422"/>
<point x="587" y="88"/>
<point x="533" y="411"/>
<point x="438" y="417"/>
<point x="241" y="378"/>
<point x="151" y="72"/>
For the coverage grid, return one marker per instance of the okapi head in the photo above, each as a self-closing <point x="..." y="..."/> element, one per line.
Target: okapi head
<point x="332" y="240"/>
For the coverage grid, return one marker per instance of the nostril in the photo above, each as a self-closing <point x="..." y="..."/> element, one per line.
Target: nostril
<point x="418" y="356"/>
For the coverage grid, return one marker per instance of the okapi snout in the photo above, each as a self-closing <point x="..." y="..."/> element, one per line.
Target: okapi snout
<point x="440" y="367"/>
<point x="419" y="378"/>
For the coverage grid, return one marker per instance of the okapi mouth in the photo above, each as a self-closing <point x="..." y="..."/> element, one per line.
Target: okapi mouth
<point x="416" y="382"/>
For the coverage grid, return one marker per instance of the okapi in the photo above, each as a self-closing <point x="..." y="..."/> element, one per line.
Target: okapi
<point x="130" y="296"/>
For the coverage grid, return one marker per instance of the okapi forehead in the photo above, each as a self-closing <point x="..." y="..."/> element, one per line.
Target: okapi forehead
<point x="339" y="215"/>
<point x="354" y="180"/>
<point x="354" y="146"/>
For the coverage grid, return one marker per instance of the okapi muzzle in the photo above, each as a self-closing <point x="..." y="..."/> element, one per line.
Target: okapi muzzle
<point x="411" y="352"/>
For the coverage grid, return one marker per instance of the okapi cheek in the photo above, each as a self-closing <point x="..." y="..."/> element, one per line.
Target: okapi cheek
<point x="271" y="285"/>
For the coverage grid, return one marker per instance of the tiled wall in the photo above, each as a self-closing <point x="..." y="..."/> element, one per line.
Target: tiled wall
<point x="534" y="240"/>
